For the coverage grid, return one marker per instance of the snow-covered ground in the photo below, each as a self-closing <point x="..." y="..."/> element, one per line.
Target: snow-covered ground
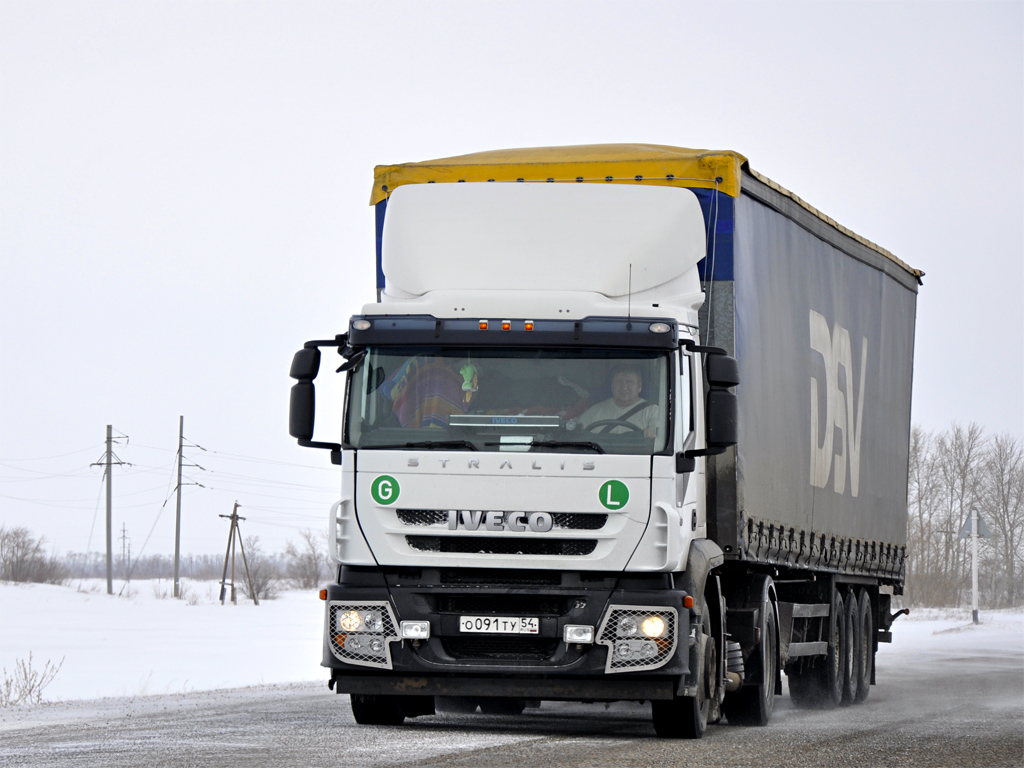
<point x="149" y="643"/>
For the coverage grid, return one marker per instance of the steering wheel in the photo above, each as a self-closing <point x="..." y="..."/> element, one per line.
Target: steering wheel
<point x="612" y="423"/>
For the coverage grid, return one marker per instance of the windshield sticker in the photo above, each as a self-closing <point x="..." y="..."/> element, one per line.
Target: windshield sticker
<point x="384" y="490"/>
<point x="614" y="494"/>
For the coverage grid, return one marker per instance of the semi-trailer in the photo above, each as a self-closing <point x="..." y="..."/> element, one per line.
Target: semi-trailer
<point x="625" y="422"/>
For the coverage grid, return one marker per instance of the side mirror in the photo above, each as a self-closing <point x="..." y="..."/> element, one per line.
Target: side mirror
<point x="302" y="404"/>
<point x="721" y="407"/>
<point x="302" y="401"/>
<point x="722" y="370"/>
<point x="721" y="417"/>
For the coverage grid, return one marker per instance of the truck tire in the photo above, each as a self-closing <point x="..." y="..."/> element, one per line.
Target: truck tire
<point x="686" y="717"/>
<point x="457" y="705"/>
<point x="754" y="704"/>
<point x="368" y="709"/>
<point x="866" y="653"/>
<point x="818" y="681"/>
<point x="502" y="705"/>
<point x="854" y="644"/>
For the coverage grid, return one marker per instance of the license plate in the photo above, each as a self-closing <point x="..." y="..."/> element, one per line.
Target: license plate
<point x="500" y="625"/>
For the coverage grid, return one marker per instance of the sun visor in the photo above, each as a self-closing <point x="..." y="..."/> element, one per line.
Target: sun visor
<point x="539" y="237"/>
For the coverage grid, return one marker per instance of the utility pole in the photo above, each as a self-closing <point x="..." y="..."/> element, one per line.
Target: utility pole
<point x="235" y="534"/>
<point x="974" y="564"/>
<point x="177" y="515"/>
<point x="125" y="558"/>
<point x="107" y="461"/>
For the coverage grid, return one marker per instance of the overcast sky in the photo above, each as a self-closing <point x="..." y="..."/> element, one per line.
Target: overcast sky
<point x="184" y="201"/>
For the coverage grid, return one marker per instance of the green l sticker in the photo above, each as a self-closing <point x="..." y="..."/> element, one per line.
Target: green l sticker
<point x="614" y="494"/>
<point x="385" y="490"/>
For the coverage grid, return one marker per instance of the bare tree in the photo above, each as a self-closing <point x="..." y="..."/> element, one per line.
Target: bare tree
<point x="307" y="561"/>
<point x="1002" y="501"/>
<point x="23" y="559"/>
<point x="262" y="571"/>
<point x="959" y="455"/>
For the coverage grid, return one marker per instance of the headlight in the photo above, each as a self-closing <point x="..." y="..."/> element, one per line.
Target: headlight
<point x="350" y="621"/>
<point x="627" y="626"/>
<point x="653" y="626"/>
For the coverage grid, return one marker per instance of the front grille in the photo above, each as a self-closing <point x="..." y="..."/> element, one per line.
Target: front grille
<point x="569" y="521"/>
<point x="501" y="545"/>
<point x="503" y="605"/>
<point x="629" y="650"/>
<point x="476" y="577"/>
<point x="506" y="648"/>
<point x="365" y="647"/>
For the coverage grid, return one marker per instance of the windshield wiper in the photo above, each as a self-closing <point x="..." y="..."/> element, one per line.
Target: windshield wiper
<point x="557" y="444"/>
<point x="427" y="444"/>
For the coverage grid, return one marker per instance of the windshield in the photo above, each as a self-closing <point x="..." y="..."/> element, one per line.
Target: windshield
<point x="510" y="399"/>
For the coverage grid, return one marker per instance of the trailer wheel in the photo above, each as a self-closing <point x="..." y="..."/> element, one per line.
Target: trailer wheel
<point x="866" y="651"/>
<point x="686" y="717"/>
<point x="754" y="704"/>
<point x="368" y="709"/>
<point x="854" y="645"/>
<point x="818" y="681"/>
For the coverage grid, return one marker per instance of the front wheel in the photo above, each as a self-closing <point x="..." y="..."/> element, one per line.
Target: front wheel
<point x="686" y="717"/>
<point x="377" y="710"/>
<point x="754" y="704"/>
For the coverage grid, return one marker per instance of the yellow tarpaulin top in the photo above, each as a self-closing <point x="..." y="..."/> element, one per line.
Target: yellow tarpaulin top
<point x="610" y="163"/>
<point x="616" y="163"/>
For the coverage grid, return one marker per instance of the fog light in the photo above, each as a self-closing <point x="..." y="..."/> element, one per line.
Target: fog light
<point x="578" y="633"/>
<point x="376" y="645"/>
<point x="415" y="630"/>
<point x="624" y="650"/>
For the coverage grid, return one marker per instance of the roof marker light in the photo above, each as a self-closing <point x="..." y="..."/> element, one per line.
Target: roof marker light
<point x="361" y="325"/>
<point x="483" y="325"/>
<point x="528" y="325"/>
<point x="660" y="327"/>
<point x="506" y="325"/>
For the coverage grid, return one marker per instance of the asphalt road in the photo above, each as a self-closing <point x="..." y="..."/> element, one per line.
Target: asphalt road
<point x="929" y="709"/>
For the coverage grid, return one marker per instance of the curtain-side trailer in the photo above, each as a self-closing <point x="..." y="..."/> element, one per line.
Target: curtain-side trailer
<point x="626" y="422"/>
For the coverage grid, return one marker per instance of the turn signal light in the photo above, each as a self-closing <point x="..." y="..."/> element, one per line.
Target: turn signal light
<point x="688" y="602"/>
<point x="323" y="594"/>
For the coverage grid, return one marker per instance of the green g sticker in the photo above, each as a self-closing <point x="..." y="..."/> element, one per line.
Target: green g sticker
<point x="614" y="494"/>
<point x="384" y="490"/>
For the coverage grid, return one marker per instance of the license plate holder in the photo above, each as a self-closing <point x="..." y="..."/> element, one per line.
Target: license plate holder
<point x="500" y="625"/>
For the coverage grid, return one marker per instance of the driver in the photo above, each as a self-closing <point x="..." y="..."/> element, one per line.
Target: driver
<point x="625" y="404"/>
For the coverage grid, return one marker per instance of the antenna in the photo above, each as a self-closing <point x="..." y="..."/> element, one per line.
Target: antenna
<point x="629" y="299"/>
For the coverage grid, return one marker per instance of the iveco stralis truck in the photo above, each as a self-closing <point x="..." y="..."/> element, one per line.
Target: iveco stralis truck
<point x="626" y="422"/>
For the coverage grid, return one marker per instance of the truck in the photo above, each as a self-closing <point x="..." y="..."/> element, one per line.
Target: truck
<point x="624" y="423"/>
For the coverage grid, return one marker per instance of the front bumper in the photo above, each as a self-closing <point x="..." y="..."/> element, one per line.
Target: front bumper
<point x="540" y="665"/>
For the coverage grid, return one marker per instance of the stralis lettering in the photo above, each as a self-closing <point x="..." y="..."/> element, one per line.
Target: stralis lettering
<point x="473" y="520"/>
<point x="587" y="466"/>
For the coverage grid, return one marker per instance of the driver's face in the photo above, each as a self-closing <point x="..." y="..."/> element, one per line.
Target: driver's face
<point x="625" y="388"/>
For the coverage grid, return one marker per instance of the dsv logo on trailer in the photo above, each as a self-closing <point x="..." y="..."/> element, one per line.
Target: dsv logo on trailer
<point x="842" y="415"/>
